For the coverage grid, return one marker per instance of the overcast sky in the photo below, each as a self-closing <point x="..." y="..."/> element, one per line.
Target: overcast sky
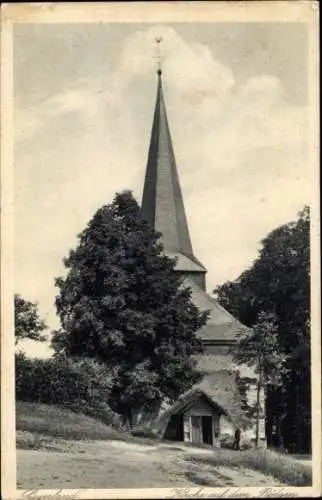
<point x="236" y="96"/>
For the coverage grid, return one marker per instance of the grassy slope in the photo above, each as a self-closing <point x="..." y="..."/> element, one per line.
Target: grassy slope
<point x="37" y="424"/>
<point x="59" y="422"/>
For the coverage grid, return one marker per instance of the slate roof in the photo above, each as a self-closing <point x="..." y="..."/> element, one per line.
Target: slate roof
<point x="221" y="325"/>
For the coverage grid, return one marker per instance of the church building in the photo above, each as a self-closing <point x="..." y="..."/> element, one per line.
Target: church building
<point x="213" y="406"/>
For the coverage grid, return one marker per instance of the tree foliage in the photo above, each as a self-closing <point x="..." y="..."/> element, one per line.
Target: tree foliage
<point x="122" y="303"/>
<point x="259" y="349"/>
<point x="278" y="284"/>
<point x="78" y="384"/>
<point x="28" y="324"/>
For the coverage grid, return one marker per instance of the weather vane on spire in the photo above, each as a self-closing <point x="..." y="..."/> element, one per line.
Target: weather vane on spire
<point x="159" y="40"/>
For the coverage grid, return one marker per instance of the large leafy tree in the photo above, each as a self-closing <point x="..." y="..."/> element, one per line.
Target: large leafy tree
<point x="122" y="303"/>
<point x="279" y="283"/>
<point x="28" y="323"/>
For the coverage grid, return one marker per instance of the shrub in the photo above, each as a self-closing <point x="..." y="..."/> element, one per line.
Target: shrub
<point x="80" y="385"/>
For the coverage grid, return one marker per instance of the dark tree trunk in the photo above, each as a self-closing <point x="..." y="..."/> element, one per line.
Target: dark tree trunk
<point x="257" y="411"/>
<point x="127" y="418"/>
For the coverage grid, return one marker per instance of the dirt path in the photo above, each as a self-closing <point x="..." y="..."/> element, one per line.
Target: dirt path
<point x="117" y="464"/>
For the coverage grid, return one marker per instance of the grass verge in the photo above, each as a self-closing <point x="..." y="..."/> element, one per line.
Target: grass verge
<point x="59" y="422"/>
<point x="281" y="467"/>
<point x="39" y="424"/>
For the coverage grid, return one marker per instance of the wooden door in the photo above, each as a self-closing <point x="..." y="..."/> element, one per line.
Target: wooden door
<point x="196" y="430"/>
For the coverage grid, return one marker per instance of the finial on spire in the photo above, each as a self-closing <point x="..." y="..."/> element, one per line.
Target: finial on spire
<point x="159" y="40"/>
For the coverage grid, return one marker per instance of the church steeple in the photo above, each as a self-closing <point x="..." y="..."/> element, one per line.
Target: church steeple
<point x="162" y="201"/>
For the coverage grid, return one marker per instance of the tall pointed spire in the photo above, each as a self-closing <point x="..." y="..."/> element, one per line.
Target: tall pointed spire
<point x="162" y="201"/>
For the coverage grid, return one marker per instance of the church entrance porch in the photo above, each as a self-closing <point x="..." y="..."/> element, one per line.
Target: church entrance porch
<point x="196" y="422"/>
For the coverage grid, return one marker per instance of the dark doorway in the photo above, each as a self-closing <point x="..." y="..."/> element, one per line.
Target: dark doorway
<point x="174" y="431"/>
<point x="207" y="430"/>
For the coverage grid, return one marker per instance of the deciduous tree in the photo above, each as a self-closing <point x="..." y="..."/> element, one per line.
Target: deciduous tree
<point x="122" y="303"/>
<point x="28" y="324"/>
<point x="279" y="283"/>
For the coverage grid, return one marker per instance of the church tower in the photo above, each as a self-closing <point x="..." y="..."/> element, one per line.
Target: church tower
<point x="163" y="208"/>
<point x="162" y="202"/>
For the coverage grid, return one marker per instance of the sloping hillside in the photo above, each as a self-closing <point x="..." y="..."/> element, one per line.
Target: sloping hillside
<point x="55" y="421"/>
